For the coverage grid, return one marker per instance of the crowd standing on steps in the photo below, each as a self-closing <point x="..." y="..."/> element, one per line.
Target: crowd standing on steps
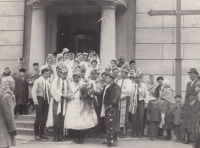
<point x="80" y="98"/>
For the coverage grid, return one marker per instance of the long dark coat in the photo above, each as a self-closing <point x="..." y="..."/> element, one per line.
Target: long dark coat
<point x="190" y="91"/>
<point x="112" y="96"/>
<point x="7" y="121"/>
<point x="153" y="112"/>
<point x="194" y="113"/>
<point x="21" y="91"/>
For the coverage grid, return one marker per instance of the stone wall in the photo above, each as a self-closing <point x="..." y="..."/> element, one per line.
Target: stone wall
<point x="156" y="39"/>
<point x="11" y="32"/>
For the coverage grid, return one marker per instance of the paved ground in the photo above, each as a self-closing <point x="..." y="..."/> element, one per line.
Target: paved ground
<point x="90" y="143"/>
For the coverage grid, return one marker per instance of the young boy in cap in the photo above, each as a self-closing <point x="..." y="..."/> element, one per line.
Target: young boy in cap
<point x="21" y="92"/>
<point x="178" y="116"/>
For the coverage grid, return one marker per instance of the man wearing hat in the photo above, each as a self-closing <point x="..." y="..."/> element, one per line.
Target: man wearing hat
<point x="32" y="76"/>
<point x="126" y="89"/>
<point x="21" y="92"/>
<point x="111" y="97"/>
<point x="60" y="91"/>
<point x="190" y="91"/>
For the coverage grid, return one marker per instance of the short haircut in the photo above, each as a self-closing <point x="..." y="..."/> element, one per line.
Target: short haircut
<point x="160" y="78"/>
<point x="105" y="74"/>
<point x="132" y="61"/>
<point x="44" y="70"/>
<point x="94" y="61"/>
<point x="115" y="69"/>
<point x="178" y="96"/>
<point x="114" y="61"/>
<point x="55" y="53"/>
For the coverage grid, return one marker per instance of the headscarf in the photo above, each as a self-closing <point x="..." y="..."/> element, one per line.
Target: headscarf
<point x="166" y="84"/>
<point x="8" y="86"/>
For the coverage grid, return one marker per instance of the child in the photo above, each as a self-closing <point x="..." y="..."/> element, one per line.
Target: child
<point x="153" y="117"/>
<point x="195" y="119"/>
<point x="178" y="116"/>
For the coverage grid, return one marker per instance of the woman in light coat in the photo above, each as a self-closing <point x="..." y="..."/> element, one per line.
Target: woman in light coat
<point x="7" y="121"/>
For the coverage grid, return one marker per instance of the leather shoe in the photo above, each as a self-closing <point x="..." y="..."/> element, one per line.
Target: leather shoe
<point x="60" y="139"/>
<point x="115" y="144"/>
<point x="55" y="139"/>
<point x="105" y="142"/>
<point x="44" y="137"/>
<point x="38" y="137"/>
<point x="134" y="135"/>
<point x="182" y="141"/>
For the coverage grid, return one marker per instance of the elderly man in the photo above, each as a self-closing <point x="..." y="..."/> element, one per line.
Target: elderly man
<point x="61" y="92"/>
<point x="190" y="91"/>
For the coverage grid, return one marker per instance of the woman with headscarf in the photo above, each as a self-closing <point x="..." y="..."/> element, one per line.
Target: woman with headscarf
<point x="7" y="121"/>
<point x="165" y="104"/>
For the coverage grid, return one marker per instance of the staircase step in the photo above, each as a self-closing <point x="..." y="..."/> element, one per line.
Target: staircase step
<point x="28" y="118"/>
<point x="25" y="124"/>
<point x="30" y="132"/>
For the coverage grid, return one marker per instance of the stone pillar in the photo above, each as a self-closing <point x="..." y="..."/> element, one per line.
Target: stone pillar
<point x="108" y="33"/>
<point x="38" y="34"/>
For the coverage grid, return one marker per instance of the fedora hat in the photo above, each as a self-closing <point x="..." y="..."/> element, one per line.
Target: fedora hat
<point x="193" y="70"/>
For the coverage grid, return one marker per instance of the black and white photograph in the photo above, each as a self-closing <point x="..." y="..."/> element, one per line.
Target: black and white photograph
<point x="99" y="73"/>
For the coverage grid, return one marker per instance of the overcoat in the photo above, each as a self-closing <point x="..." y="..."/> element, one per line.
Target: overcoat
<point x="21" y="91"/>
<point x="190" y="91"/>
<point x="7" y="121"/>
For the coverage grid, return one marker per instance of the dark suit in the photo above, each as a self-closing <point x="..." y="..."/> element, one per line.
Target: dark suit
<point x="190" y="91"/>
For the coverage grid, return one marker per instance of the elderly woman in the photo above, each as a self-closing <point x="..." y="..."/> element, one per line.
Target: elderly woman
<point x="7" y="121"/>
<point x="165" y="105"/>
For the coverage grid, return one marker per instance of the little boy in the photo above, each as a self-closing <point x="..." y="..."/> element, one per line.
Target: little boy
<point x="153" y="117"/>
<point x="178" y="116"/>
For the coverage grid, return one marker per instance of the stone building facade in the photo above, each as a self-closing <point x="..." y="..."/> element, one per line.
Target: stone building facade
<point x="114" y="28"/>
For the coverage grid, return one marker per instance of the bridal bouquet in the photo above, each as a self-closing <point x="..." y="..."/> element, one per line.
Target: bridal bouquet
<point x="87" y="95"/>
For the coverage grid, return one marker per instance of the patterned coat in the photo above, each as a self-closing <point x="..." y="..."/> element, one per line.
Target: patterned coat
<point x="7" y="121"/>
<point x="112" y="96"/>
<point x="190" y="91"/>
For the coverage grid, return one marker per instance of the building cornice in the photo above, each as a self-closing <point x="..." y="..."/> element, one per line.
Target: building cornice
<point x="119" y="4"/>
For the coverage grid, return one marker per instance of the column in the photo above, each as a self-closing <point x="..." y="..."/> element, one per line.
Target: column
<point x="38" y="34"/>
<point x="108" y="35"/>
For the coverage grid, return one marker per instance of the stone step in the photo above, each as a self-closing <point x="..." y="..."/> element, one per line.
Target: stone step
<point x="30" y="132"/>
<point x="28" y="118"/>
<point x="25" y="124"/>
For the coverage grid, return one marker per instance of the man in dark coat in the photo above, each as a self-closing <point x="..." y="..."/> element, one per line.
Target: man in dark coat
<point x="190" y="91"/>
<point x="157" y="96"/>
<point x="111" y="97"/>
<point x="21" y="92"/>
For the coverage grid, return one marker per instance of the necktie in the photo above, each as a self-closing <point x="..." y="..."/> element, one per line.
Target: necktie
<point x="138" y="95"/>
<point x="45" y="89"/>
<point x="62" y="99"/>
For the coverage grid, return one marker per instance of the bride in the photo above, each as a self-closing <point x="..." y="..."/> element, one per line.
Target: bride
<point x="77" y="117"/>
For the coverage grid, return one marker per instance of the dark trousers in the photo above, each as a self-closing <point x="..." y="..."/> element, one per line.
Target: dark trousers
<point x="178" y="132"/>
<point x="20" y="109"/>
<point x="153" y="127"/>
<point x="188" y="134"/>
<point x="41" y="115"/>
<point x="138" y="118"/>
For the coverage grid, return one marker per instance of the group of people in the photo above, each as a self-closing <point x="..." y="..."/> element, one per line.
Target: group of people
<point x="79" y="98"/>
